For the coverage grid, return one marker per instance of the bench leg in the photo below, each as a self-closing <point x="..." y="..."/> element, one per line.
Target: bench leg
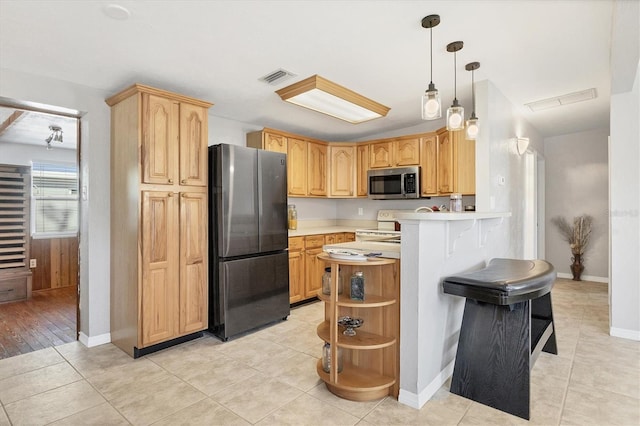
<point x="541" y="308"/>
<point x="493" y="360"/>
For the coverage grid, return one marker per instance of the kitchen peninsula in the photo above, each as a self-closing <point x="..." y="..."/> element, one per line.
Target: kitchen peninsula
<point x="435" y="245"/>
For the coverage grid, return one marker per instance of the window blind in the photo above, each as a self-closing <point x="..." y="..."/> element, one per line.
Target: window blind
<point x="54" y="190"/>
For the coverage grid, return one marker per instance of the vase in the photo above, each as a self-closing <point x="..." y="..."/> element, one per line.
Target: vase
<point x="576" y="267"/>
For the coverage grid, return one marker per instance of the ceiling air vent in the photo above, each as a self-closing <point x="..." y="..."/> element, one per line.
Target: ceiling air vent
<point x="276" y="77"/>
<point x="570" y="98"/>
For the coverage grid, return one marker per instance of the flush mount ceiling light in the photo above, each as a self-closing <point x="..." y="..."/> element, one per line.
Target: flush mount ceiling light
<point x="117" y="12"/>
<point x="455" y="113"/>
<point x="55" y="136"/>
<point x="472" y="122"/>
<point x="321" y="95"/>
<point x="569" y="98"/>
<point x="431" y="103"/>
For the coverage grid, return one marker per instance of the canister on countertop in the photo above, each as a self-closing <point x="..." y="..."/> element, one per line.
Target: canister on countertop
<point x="455" y="202"/>
<point x="293" y="217"/>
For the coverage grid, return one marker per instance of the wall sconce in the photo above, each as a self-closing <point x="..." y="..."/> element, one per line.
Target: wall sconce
<point x="521" y="145"/>
<point x="455" y="113"/>
<point x="55" y="136"/>
<point x="431" y="102"/>
<point x="321" y="95"/>
<point x="472" y="122"/>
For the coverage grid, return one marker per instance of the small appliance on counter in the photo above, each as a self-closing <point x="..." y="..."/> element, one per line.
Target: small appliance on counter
<point x="248" y="239"/>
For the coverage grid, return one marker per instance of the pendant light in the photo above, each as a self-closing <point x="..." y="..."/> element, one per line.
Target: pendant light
<point x="431" y="103"/>
<point x="455" y="113"/>
<point x="472" y="122"/>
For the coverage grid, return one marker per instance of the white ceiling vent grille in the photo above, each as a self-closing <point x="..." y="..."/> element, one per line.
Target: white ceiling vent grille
<point x="276" y="77"/>
<point x="570" y="98"/>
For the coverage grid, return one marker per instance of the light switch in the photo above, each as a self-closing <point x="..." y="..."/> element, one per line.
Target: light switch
<point x="33" y="263"/>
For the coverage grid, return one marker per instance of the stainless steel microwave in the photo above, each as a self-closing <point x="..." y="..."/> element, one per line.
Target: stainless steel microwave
<point x="395" y="183"/>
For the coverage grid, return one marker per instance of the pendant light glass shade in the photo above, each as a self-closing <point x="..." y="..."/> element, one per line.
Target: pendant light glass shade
<point x="472" y="122"/>
<point x="472" y="128"/>
<point x="455" y="116"/>
<point x="455" y="113"/>
<point x="431" y="103"/>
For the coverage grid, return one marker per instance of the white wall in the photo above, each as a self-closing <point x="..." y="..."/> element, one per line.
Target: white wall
<point x="577" y="177"/>
<point x="496" y="158"/>
<point x="624" y="175"/>
<point x="222" y="130"/>
<point x="94" y="173"/>
<point x="24" y="154"/>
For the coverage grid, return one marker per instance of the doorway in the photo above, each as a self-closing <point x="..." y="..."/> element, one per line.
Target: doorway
<point x="533" y="205"/>
<point x="43" y="143"/>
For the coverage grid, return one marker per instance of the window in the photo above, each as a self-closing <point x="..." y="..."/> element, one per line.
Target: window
<point x="54" y="193"/>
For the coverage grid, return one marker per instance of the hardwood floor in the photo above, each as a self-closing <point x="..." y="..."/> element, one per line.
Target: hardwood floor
<point x="47" y="319"/>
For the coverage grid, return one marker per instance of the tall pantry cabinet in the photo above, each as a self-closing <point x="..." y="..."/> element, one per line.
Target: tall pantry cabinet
<point x="158" y="218"/>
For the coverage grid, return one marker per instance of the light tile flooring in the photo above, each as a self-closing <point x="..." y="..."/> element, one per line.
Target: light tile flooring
<point x="268" y="378"/>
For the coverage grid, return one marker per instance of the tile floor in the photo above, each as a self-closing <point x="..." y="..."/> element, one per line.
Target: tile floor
<point x="268" y="378"/>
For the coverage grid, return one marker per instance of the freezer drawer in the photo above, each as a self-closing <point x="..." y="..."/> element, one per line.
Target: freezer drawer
<point x="249" y="292"/>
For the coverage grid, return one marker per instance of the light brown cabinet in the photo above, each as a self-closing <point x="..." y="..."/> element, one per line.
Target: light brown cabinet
<point x="268" y="141"/>
<point x="370" y="357"/>
<point x="296" y="269"/>
<point x="314" y="268"/>
<point x="362" y="163"/>
<point x="161" y="220"/>
<point x="429" y="166"/>
<point x="342" y="163"/>
<point x="456" y="172"/>
<point x="297" y="167"/>
<point x="400" y="152"/>
<point x="317" y="169"/>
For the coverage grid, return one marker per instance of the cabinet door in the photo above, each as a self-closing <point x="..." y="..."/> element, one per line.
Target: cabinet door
<point x="349" y="236"/>
<point x="193" y="145"/>
<point x="160" y="125"/>
<point x="297" y="167"/>
<point x="342" y="171"/>
<point x="445" y="163"/>
<point x="380" y="155"/>
<point x="160" y="287"/>
<point x="296" y="276"/>
<point x="314" y="270"/>
<point x="317" y="169"/>
<point x="275" y="143"/>
<point x="429" y="166"/>
<point x="465" y="164"/>
<point x="193" y="262"/>
<point x="362" y="159"/>
<point x="406" y="152"/>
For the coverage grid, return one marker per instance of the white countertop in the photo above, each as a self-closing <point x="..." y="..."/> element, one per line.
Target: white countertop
<point x="320" y="230"/>
<point x="446" y="216"/>
<point x="389" y="250"/>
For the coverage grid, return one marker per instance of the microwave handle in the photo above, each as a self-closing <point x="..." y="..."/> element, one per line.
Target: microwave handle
<point x="403" y="177"/>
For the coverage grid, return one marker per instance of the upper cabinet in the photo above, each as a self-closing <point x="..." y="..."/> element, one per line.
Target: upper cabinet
<point x="172" y="142"/>
<point x="342" y="163"/>
<point x="269" y="141"/>
<point x="456" y="170"/>
<point x="400" y="152"/>
<point x="339" y="170"/>
<point x="362" y="164"/>
<point x="317" y="169"/>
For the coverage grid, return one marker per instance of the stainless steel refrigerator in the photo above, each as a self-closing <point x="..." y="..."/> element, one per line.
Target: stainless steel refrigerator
<point x="248" y="239"/>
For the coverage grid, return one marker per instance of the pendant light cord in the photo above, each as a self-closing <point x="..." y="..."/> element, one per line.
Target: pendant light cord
<point x="455" y="77"/>
<point x="431" y="52"/>
<point x="473" y="92"/>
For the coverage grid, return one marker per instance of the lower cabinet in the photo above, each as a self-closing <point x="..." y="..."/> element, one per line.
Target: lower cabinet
<point x="370" y="358"/>
<point x="305" y="270"/>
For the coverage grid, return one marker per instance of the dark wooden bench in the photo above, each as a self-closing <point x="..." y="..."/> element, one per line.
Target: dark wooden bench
<point x="507" y="321"/>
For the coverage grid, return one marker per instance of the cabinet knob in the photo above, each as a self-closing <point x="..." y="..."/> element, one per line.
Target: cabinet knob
<point x="171" y="194"/>
<point x="183" y="181"/>
<point x="170" y="180"/>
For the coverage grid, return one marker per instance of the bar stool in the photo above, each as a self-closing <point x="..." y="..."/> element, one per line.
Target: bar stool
<point x="507" y="321"/>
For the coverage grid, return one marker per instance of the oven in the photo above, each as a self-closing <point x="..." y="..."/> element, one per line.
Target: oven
<point x="387" y="231"/>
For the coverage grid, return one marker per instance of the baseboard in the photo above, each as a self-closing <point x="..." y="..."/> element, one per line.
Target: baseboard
<point x="418" y="400"/>
<point x="585" y="277"/>
<point x="94" y="340"/>
<point x="624" y="333"/>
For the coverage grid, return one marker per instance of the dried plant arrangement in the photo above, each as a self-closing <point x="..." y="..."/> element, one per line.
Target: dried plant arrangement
<point x="578" y="236"/>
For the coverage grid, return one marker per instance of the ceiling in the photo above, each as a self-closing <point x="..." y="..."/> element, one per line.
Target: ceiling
<point x="217" y="51"/>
